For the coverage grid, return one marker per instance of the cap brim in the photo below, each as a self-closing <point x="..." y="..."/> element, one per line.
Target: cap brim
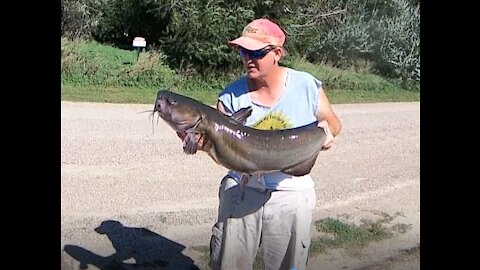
<point x="248" y="43"/>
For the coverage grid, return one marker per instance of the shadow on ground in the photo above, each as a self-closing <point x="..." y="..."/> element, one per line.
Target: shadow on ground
<point x="135" y="248"/>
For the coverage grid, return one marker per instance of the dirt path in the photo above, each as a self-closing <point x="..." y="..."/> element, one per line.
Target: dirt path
<point x="118" y="166"/>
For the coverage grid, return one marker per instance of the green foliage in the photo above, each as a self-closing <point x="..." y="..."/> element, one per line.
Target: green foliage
<point x="194" y="34"/>
<point x="123" y="20"/>
<point x="385" y="33"/>
<point x="199" y="32"/>
<point x="399" y="52"/>
<point x="79" y="19"/>
<point x="95" y="72"/>
<point x="91" y="63"/>
<point x="343" y="79"/>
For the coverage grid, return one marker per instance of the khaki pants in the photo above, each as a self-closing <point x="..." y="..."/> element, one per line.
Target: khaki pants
<point x="278" y="221"/>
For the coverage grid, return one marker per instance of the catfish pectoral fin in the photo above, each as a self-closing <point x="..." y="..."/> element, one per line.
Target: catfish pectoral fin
<point x="303" y="168"/>
<point x="242" y="114"/>
<point x="190" y="144"/>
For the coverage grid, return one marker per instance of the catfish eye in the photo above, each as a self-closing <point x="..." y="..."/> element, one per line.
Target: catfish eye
<point x="172" y="101"/>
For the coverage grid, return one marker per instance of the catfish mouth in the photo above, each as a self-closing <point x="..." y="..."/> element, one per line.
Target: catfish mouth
<point x="179" y="121"/>
<point x="184" y="125"/>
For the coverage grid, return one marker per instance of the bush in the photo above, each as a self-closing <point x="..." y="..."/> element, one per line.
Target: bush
<point x="90" y="63"/>
<point x="79" y="19"/>
<point x="383" y="33"/>
<point x="123" y="20"/>
<point x="199" y="32"/>
<point x="399" y="52"/>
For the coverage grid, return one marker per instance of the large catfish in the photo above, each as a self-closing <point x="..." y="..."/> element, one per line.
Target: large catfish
<point x="237" y="147"/>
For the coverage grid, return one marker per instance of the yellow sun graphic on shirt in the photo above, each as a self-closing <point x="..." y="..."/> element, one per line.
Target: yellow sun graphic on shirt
<point x="273" y="120"/>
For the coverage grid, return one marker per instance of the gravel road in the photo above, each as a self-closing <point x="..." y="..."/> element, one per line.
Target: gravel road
<point x="121" y="167"/>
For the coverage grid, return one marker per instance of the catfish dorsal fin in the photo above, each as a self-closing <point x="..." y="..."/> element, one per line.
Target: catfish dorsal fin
<point x="242" y="114"/>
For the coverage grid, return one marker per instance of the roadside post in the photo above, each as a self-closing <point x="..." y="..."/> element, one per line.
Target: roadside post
<point x="138" y="44"/>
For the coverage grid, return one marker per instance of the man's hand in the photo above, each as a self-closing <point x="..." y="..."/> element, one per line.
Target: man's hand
<point x="329" y="141"/>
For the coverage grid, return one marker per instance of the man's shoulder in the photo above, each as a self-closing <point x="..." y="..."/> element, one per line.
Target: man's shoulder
<point x="235" y="88"/>
<point x="302" y="79"/>
<point x="300" y="74"/>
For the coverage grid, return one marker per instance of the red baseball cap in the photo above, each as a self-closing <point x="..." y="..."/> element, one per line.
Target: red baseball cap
<point x="258" y="34"/>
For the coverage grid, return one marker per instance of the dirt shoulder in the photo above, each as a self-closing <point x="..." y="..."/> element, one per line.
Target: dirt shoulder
<point x="118" y="165"/>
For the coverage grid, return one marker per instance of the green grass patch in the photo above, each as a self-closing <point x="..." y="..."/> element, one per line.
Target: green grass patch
<point x="343" y="97"/>
<point x="208" y="94"/>
<point x="108" y="94"/>
<point x="136" y="95"/>
<point x="88" y="63"/>
<point x="348" y="236"/>
<point x="349" y="79"/>
<point x="94" y="72"/>
<point x="352" y="237"/>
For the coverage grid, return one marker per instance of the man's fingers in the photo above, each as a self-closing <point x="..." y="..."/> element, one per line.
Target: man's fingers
<point x="329" y="141"/>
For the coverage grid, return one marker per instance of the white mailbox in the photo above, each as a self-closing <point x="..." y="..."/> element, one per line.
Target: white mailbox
<point x="139" y="42"/>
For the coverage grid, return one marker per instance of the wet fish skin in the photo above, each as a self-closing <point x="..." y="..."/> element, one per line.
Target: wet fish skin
<point x="239" y="147"/>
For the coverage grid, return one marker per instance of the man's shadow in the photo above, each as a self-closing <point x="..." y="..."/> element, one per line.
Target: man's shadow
<point x="148" y="250"/>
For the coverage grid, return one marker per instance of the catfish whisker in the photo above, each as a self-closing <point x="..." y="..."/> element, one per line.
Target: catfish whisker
<point x="151" y="116"/>
<point x="152" y="111"/>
